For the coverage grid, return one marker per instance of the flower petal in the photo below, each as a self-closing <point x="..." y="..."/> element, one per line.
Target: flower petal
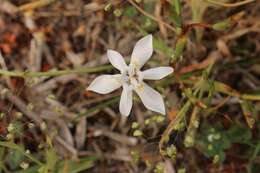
<point x="116" y="60"/>
<point x="126" y="101"/>
<point x="156" y="73"/>
<point x="151" y="98"/>
<point x="105" y="84"/>
<point x="143" y="50"/>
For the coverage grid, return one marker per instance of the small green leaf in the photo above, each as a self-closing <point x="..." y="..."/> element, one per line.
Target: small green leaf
<point x="177" y="5"/>
<point x="15" y="158"/>
<point x="221" y="26"/>
<point x="180" y="45"/>
<point x="14" y="146"/>
<point x="176" y="13"/>
<point x="77" y="166"/>
<point x="239" y="134"/>
<point x="249" y="112"/>
<point x="159" y="45"/>
<point x="130" y="12"/>
<point x="32" y="169"/>
<point x="51" y="159"/>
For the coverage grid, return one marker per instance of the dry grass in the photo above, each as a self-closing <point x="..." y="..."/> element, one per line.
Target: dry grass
<point x="51" y="50"/>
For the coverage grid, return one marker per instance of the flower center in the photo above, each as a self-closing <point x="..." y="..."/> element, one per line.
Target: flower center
<point x="133" y="77"/>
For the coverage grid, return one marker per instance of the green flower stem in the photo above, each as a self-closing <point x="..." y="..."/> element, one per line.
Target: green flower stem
<point x="250" y="97"/>
<point x="230" y="4"/>
<point x="253" y="157"/>
<point x="173" y="125"/>
<point x="52" y="73"/>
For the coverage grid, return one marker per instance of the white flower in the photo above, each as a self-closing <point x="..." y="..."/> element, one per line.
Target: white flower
<point x="131" y="78"/>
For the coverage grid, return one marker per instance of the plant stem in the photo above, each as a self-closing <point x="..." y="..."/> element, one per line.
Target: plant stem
<point x="230" y="4"/>
<point x="54" y="72"/>
<point x="250" y="97"/>
<point x="151" y="16"/>
<point x="35" y="4"/>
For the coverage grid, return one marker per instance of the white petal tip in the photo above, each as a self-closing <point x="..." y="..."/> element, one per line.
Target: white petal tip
<point x="158" y="110"/>
<point x="90" y="89"/>
<point x="125" y="115"/>
<point x="109" y="52"/>
<point x="161" y="110"/>
<point x="150" y="36"/>
<point x="124" y="112"/>
<point x="143" y="50"/>
<point x="171" y="70"/>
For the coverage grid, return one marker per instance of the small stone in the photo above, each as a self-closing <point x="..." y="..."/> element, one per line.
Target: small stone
<point x="137" y="133"/>
<point x="24" y="165"/>
<point x="4" y="91"/>
<point x="148" y="164"/>
<point x="196" y="123"/>
<point x="10" y="127"/>
<point x="43" y="126"/>
<point x="108" y="7"/>
<point x="160" y="119"/>
<point x="171" y="151"/>
<point x="2" y="115"/>
<point x="117" y="12"/>
<point x="210" y="137"/>
<point x="135" y="155"/>
<point x="28" y="152"/>
<point x="29" y="107"/>
<point x="159" y="168"/>
<point x="210" y="147"/>
<point x="181" y="170"/>
<point x="216" y="159"/>
<point x="9" y="136"/>
<point x="217" y="136"/>
<point x="147" y="121"/>
<point x="18" y="115"/>
<point x="51" y="96"/>
<point x="31" y="125"/>
<point x="188" y="141"/>
<point x="135" y="125"/>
